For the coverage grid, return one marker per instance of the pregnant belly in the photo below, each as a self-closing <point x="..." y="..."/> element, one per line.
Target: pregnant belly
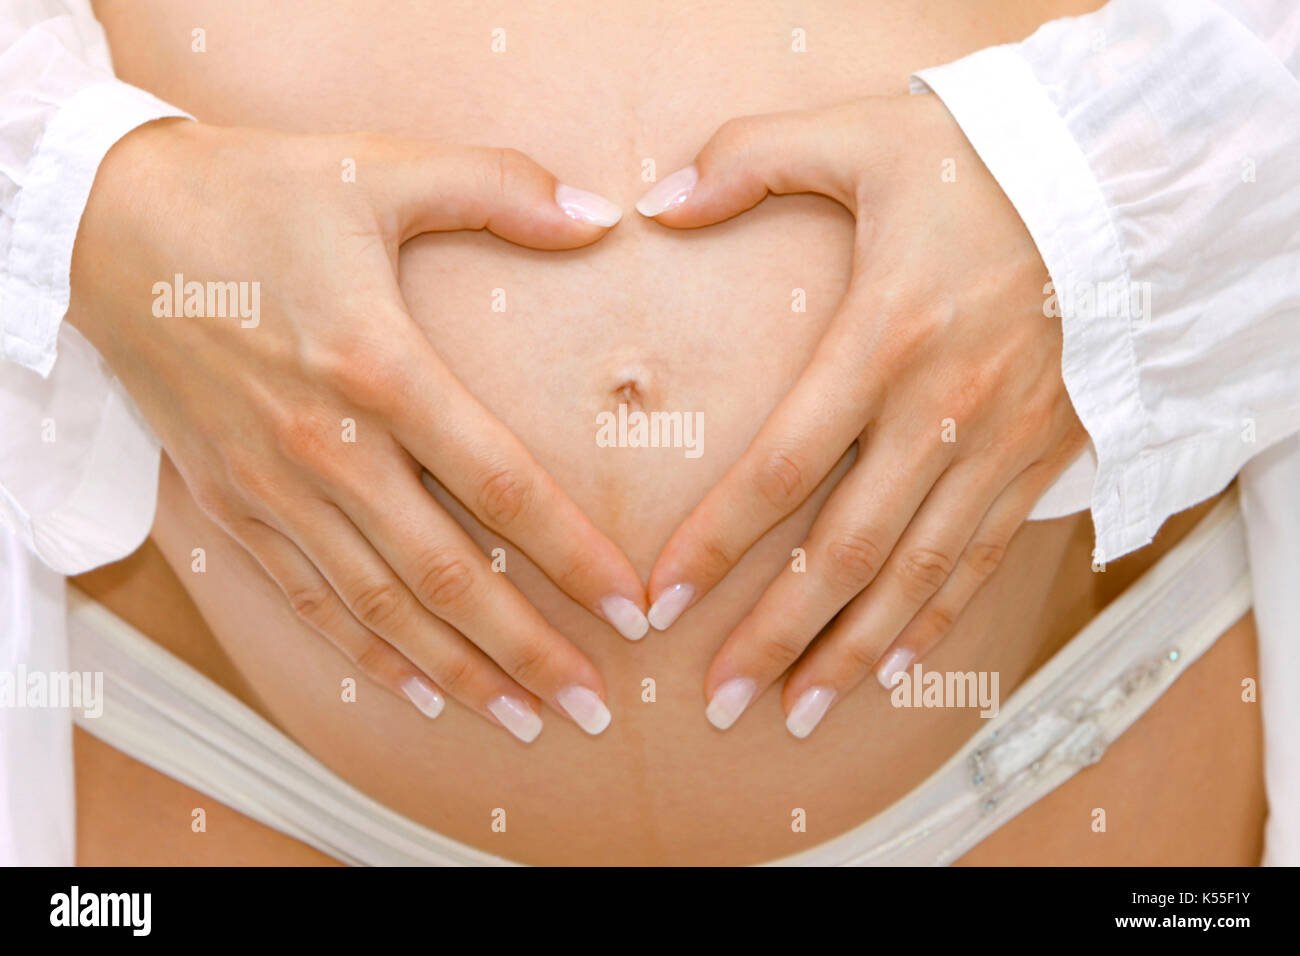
<point x="700" y="323"/>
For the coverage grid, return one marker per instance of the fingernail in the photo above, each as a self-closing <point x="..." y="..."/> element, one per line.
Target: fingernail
<point x="729" y="702"/>
<point x="517" y="717"/>
<point x="585" y="707"/>
<point x="423" y="696"/>
<point x="669" y="606"/>
<point x="587" y="207"/>
<point x="808" y="712"/>
<point x="625" y="616"/>
<point x="669" y="192"/>
<point x="894" y="664"/>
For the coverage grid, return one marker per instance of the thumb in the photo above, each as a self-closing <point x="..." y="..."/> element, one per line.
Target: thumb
<point x="442" y="189"/>
<point x="805" y="151"/>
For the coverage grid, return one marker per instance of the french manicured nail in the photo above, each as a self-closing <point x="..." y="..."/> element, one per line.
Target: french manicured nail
<point x="587" y="207"/>
<point x="809" y="710"/>
<point x="625" y="616"/>
<point x="517" y="717"/>
<point x="585" y="707"/>
<point x="894" y="664"/>
<point x="729" y="701"/>
<point x="669" y="192"/>
<point x="668" y="606"/>
<point x="423" y="696"/>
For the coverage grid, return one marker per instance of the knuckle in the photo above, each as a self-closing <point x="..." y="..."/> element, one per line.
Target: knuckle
<point x="579" y="571"/>
<point x="715" y="556"/>
<point x="781" y="481"/>
<point x="858" y="657"/>
<point x="305" y="432"/>
<point x="307" y="439"/>
<point x="311" y="602"/>
<point x="378" y="605"/>
<point x="923" y="570"/>
<point x="503" y="496"/>
<point x="446" y="583"/>
<point x="983" y="557"/>
<point x="778" y="651"/>
<point x="854" y="559"/>
<point x="529" y="659"/>
<point x="375" y="660"/>
<point x="939" y="619"/>
<point x="366" y="374"/>
<point x="455" y="674"/>
<point x="510" y="165"/>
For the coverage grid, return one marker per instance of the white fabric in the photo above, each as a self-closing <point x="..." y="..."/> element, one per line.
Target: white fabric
<point x="78" y="466"/>
<point x="36" y="781"/>
<point x="166" y="714"/>
<point x="1269" y="486"/>
<point x="1158" y="142"/>
<point x="1149" y="133"/>
<point x="162" y="712"/>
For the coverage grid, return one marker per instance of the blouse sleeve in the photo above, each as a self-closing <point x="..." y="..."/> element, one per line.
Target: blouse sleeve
<point x="78" y="466"/>
<point x="1153" y="150"/>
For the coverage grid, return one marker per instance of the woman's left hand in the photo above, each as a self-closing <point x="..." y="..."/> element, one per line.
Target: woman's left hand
<point x="941" y="363"/>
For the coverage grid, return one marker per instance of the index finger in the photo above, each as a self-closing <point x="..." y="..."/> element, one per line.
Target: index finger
<point x="823" y="414"/>
<point x="480" y="461"/>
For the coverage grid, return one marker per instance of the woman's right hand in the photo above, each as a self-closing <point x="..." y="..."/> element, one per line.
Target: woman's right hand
<point x="303" y="430"/>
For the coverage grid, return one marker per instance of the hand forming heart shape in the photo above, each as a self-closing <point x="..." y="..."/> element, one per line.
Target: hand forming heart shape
<point x="962" y="423"/>
<point x="960" y="432"/>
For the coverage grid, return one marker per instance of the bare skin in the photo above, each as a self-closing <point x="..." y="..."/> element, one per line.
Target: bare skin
<point x="1194" y="761"/>
<point x="676" y="321"/>
<point x="1139" y="784"/>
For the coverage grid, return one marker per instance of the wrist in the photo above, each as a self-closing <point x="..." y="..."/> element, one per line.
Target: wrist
<point x="136" y="190"/>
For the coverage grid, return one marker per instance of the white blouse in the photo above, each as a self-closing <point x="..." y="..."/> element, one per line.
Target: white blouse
<point x="1152" y="149"/>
